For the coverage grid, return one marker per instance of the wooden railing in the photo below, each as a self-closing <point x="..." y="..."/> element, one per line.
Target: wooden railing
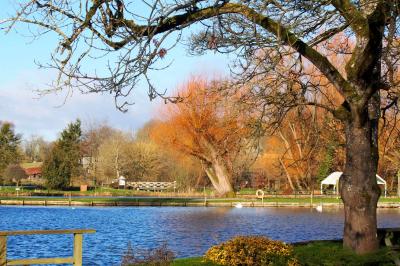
<point x="152" y="186"/>
<point x="76" y="259"/>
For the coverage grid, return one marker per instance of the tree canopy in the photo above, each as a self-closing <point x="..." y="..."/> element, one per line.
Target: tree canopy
<point x="274" y="42"/>
<point x="208" y="126"/>
<point x="64" y="160"/>
<point x="9" y="145"/>
<point x="137" y="36"/>
<point x="15" y="173"/>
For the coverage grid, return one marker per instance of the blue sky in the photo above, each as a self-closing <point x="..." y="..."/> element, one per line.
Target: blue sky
<point x="47" y="116"/>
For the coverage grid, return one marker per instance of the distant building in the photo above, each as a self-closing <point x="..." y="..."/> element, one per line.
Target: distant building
<point x="121" y="181"/>
<point x="263" y="179"/>
<point x="33" y="172"/>
<point x="86" y="162"/>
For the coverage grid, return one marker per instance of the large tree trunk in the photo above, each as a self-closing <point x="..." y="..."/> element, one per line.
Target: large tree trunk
<point x="287" y="175"/>
<point x="358" y="185"/>
<point x="220" y="177"/>
<point x="217" y="169"/>
<point x="398" y="183"/>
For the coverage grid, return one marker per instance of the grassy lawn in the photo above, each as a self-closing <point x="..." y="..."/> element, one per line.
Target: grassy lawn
<point x="247" y="194"/>
<point x="318" y="253"/>
<point x="98" y="191"/>
<point x="99" y="199"/>
<point x="162" y="199"/>
<point x="382" y="199"/>
<point x="179" y="200"/>
<point x="116" y="195"/>
<point x="29" y="165"/>
<point x="192" y="262"/>
<point x="331" y="253"/>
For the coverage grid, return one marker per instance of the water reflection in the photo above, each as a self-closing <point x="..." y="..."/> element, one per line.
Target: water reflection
<point x="188" y="231"/>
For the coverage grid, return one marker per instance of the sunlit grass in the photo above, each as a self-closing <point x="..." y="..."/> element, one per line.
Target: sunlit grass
<point x="317" y="253"/>
<point x="155" y="200"/>
<point x="333" y="253"/>
<point x="126" y="195"/>
<point x="198" y="261"/>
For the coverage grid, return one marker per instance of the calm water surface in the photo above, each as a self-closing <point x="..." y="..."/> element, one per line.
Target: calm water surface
<point x="188" y="231"/>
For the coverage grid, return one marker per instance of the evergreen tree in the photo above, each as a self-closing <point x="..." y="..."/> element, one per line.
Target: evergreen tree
<point x="63" y="162"/>
<point x="9" y="144"/>
<point x="325" y="168"/>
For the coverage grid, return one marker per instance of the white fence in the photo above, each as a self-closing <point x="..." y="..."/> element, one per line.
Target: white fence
<point x="152" y="186"/>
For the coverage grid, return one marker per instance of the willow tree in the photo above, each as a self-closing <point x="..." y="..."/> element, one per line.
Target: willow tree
<point x="137" y="34"/>
<point x="209" y="127"/>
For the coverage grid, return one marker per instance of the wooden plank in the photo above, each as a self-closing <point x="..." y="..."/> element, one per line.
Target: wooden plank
<point x="78" y="249"/>
<point x="80" y="203"/>
<point x="41" y="261"/>
<point x="126" y="203"/>
<point x="47" y="232"/>
<point x="34" y="202"/>
<point x="104" y="203"/>
<point x="11" y="202"/>
<point x="3" y="250"/>
<point x="58" y="202"/>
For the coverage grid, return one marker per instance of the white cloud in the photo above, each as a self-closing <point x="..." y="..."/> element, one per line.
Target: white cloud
<point x="48" y="115"/>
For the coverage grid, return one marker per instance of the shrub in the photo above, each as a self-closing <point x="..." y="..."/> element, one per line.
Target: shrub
<point x="15" y="173"/>
<point x="160" y="256"/>
<point x="252" y="251"/>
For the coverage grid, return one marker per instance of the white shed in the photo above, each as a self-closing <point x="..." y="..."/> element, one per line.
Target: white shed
<point x="121" y="181"/>
<point x="333" y="179"/>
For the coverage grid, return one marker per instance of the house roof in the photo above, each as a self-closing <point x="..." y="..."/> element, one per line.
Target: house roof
<point x="33" y="170"/>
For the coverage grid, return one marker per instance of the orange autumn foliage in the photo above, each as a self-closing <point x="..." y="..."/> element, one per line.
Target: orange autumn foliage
<point x="207" y="126"/>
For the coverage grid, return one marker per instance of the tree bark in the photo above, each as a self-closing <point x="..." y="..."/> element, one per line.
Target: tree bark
<point x="217" y="169"/>
<point x="287" y="175"/>
<point x="220" y="177"/>
<point x="398" y="183"/>
<point x="358" y="185"/>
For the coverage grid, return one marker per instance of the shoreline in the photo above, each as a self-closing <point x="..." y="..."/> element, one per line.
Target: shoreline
<point x="171" y="203"/>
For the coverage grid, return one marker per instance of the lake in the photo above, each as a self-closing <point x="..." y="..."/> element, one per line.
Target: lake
<point x="188" y="231"/>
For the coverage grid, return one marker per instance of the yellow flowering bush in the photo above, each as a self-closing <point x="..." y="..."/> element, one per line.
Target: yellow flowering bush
<point x="252" y="250"/>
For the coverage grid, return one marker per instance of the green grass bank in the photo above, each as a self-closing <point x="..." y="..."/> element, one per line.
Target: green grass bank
<point x="318" y="253"/>
<point x="186" y="201"/>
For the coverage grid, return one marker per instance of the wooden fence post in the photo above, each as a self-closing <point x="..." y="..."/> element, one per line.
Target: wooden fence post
<point x="3" y="250"/>
<point x="78" y="249"/>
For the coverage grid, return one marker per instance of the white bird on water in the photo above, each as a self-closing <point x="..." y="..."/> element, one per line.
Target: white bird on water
<point x="238" y="205"/>
<point x="319" y="208"/>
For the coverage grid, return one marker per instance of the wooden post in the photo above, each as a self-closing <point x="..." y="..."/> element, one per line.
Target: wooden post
<point x="75" y="260"/>
<point x="78" y="249"/>
<point x="3" y="250"/>
<point x="312" y="194"/>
